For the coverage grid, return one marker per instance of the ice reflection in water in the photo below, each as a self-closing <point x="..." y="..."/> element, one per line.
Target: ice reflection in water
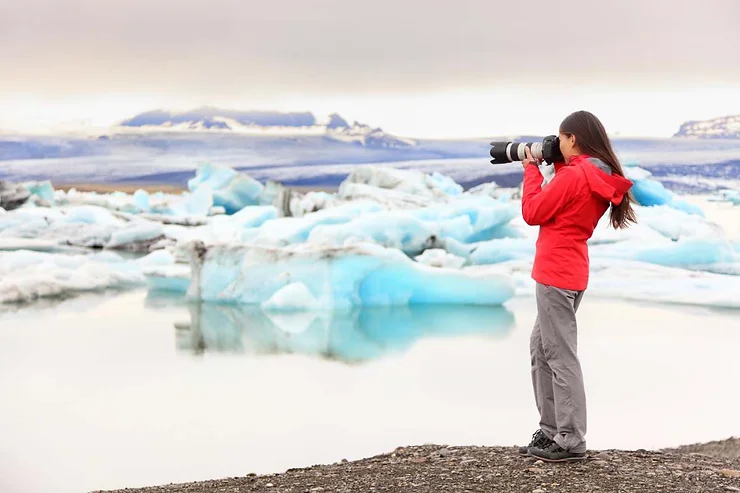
<point x="352" y="336"/>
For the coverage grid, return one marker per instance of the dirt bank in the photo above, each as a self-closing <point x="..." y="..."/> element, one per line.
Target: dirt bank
<point x="436" y="469"/>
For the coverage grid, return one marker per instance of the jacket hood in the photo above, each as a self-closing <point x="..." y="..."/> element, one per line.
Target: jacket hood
<point x="601" y="180"/>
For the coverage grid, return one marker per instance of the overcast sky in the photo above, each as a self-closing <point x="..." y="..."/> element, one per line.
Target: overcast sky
<point x="417" y="67"/>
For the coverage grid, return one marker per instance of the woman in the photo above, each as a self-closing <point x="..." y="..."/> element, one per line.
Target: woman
<point x="567" y="210"/>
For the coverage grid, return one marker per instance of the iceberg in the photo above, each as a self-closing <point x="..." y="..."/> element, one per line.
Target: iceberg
<point x="464" y="220"/>
<point x="649" y="192"/>
<point x="231" y="190"/>
<point x="291" y="230"/>
<point x="688" y="252"/>
<point x="26" y="275"/>
<point x="731" y="196"/>
<point x="634" y="281"/>
<point x="415" y="183"/>
<point x="332" y="278"/>
<point x="12" y="196"/>
<point x="225" y="229"/>
<point x="357" y="335"/>
<point x="43" y="190"/>
<point x="83" y="226"/>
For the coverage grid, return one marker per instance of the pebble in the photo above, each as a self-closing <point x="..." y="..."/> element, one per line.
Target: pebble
<point x="729" y="473"/>
<point x="538" y="491"/>
<point x="538" y="463"/>
<point x="731" y="488"/>
<point x="269" y="485"/>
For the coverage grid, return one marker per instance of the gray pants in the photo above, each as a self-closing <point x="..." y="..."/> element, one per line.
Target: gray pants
<point x="556" y="371"/>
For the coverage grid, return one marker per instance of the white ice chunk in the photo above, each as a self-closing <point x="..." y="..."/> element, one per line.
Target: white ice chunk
<point x="436" y="257"/>
<point x="134" y="234"/>
<point x="198" y="203"/>
<point x="312" y="202"/>
<point x="405" y="181"/>
<point x="157" y="259"/>
<point x="26" y="275"/>
<point x="294" y="296"/>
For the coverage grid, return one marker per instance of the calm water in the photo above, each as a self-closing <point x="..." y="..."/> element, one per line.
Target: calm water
<point x="106" y="391"/>
<point x="116" y="390"/>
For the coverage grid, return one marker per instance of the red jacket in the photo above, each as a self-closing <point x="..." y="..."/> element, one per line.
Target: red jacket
<point x="567" y="211"/>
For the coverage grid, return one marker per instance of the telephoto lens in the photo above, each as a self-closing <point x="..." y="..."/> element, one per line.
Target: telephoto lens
<point x="506" y="152"/>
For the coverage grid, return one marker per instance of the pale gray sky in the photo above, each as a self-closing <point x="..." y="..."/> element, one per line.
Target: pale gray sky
<point x="387" y="60"/>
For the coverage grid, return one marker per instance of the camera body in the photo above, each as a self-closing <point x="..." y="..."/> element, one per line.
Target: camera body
<point x="548" y="150"/>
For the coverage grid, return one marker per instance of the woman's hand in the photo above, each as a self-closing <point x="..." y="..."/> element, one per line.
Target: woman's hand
<point x="529" y="159"/>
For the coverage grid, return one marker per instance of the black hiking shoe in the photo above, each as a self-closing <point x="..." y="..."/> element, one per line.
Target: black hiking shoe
<point x="554" y="453"/>
<point x="539" y="439"/>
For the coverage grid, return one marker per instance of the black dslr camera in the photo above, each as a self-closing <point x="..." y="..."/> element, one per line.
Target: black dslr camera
<point x="548" y="150"/>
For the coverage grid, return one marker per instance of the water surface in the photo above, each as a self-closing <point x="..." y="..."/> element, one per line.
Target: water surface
<point x="124" y="390"/>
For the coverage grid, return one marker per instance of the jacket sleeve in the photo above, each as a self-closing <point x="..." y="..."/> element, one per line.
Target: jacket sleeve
<point x="540" y="205"/>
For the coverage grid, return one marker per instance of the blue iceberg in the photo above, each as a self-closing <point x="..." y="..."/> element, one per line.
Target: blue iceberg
<point x="308" y="277"/>
<point x="649" y="192"/>
<point x="231" y="190"/>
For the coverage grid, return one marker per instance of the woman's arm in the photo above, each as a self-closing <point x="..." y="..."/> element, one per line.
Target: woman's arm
<point x="540" y="205"/>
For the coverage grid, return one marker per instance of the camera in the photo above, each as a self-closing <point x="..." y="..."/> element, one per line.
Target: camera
<point x="548" y="150"/>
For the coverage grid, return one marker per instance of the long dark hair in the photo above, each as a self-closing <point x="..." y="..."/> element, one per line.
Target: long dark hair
<point x="591" y="139"/>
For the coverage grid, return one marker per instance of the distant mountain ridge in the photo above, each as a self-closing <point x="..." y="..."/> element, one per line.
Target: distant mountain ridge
<point x="275" y="122"/>
<point x="208" y="117"/>
<point x="726" y="127"/>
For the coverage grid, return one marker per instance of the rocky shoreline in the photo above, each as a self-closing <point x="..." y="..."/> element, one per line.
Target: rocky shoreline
<point x="711" y="467"/>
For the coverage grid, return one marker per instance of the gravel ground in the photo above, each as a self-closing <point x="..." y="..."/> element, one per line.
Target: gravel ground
<point x="435" y="469"/>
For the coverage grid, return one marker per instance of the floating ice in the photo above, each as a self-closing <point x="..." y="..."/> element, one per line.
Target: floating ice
<point x="26" y="275"/>
<point x="405" y="181"/>
<point x="355" y="335"/>
<point x="689" y="252"/>
<point x="732" y="196"/>
<point x="226" y="229"/>
<point x="361" y="274"/>
<point x="464" y="220"/>
<point x="43" y="190"/>
<point x="651" y="192"/>
<point x="168" y="278"/>
<point x="436" y="257"/>
<point x="231" y="190"/>
<point x="502" y="250"/>
<point x="84" y="226"/>
<point x="290" y="230"/>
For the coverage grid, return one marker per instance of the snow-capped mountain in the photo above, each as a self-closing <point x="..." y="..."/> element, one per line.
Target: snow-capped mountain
<point x="209" y="119"/>
<point x="219" y="119"/>
<point x="726" y="127"/>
